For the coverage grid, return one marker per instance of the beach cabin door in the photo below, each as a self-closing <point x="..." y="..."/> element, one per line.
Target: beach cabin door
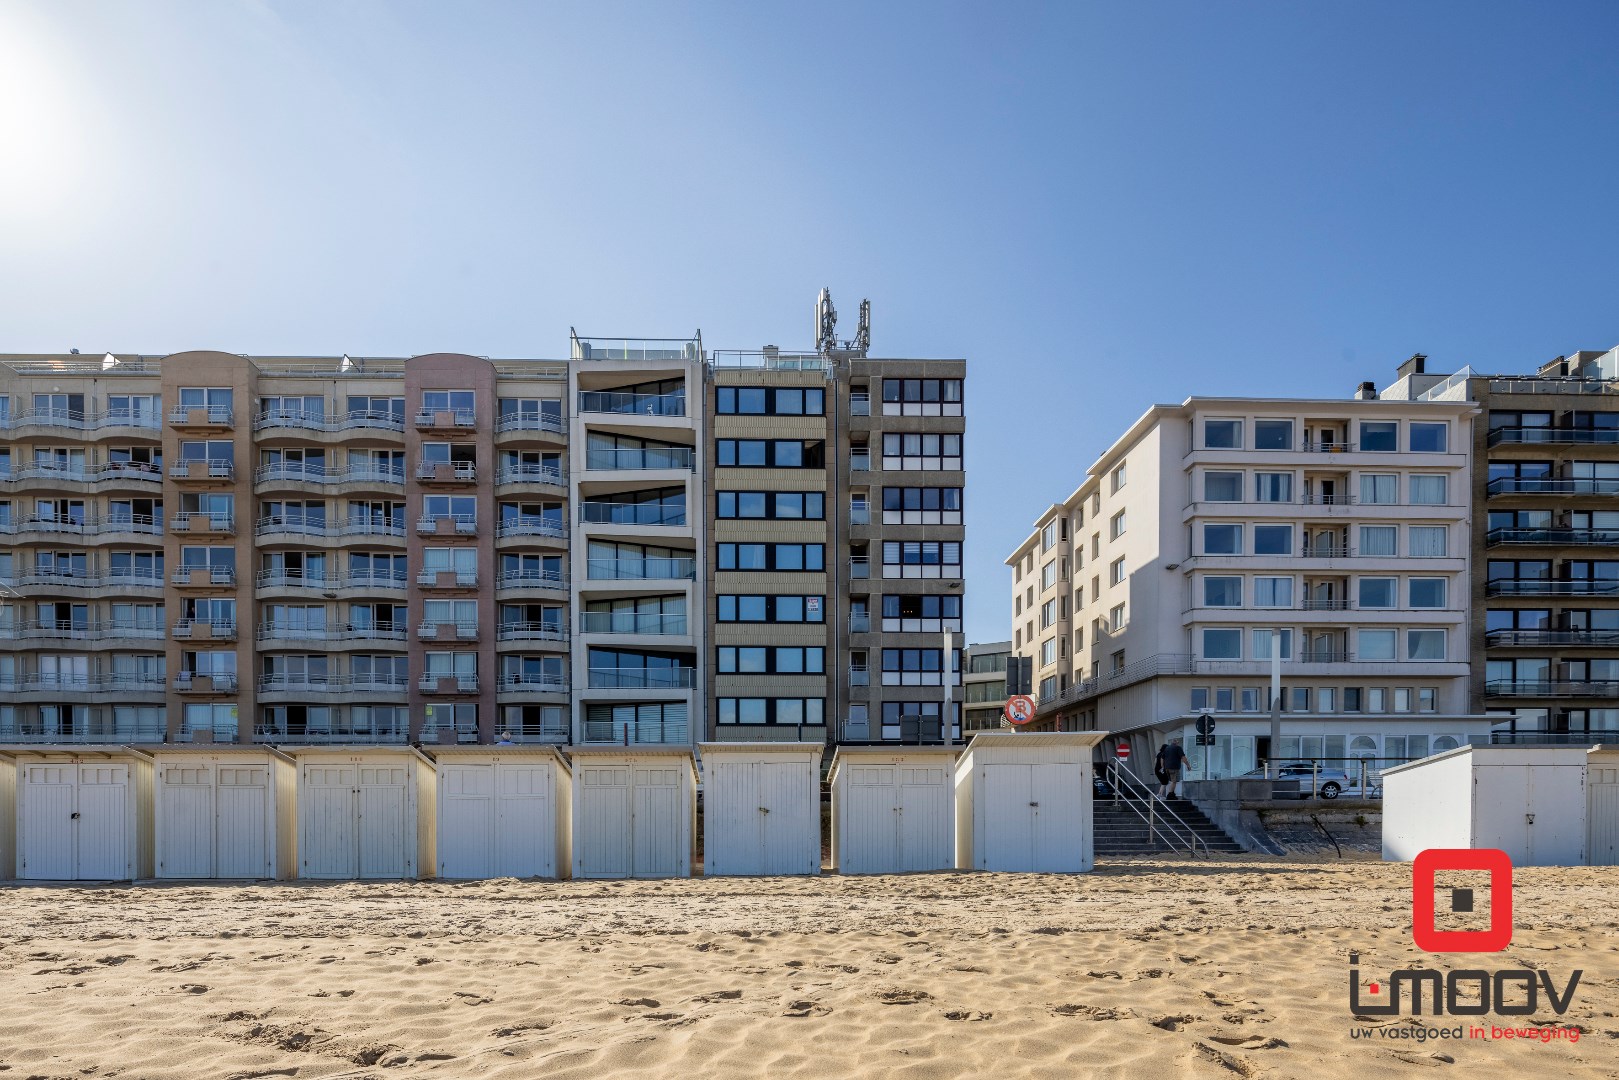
<point x="383" y="823"/>
<point x="329" y="843"/>
<point x="187" y="824"/>
<point x="603" y="827"/>
<point x="1532" y="814"/>
<point x="655" y="821"/>
<point x="467" y="821"/>
<point x="497" y="821"/>
<point x="873" y="814"/>
<point x="243" y="821"/>
<point x="1031" y="813"/>
<point x="77" y="825"/>
<point x="923" y="828"/>
<point x="1602" y="845"/>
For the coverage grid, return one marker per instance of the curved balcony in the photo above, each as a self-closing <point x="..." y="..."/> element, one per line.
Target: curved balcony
<point x="355" y="477"/>
<point x="274" y="636"/>
<point x="359" y="583"/>
<point x="36" y="583"/>
<point x="303" y="529"/>
<point x="529" y="475"/>
<point x="353" y="420"/>
<point x="70" y="686"/>
<point x="517" y="583"/>
<point x="86" y="630"/>
<point x="542" y="423"/>
<point x="519" y="687"/>
<point x="130" y="528"/>
<point x="110" y="474"/>
<point x="531" y="525"/>
<point x="57" y="421"/>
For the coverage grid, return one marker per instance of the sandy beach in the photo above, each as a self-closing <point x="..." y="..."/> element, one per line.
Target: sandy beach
<point x="1146" y="968"/>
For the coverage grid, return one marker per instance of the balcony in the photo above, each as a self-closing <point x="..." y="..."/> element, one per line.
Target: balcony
<point x="1554" y="537"/>
<point x="530" y="474"/>
<point x="859" y="622"/>
<point x="859" y="566"/>
<point x="860" y="461"/>
<point x="444" y="683"/>
<point x="292" y="525"/>
<point x="448" y="525"/>
<point x="1317" y="447"/>
<point x="454" y="419"/>
<point x="216" y="522"/>
<point x="1579" y="639"/>
<point x="195" y="576"/>
<point x="638" y="514"/>
<point x="636" y="678"/>
<point x="1553" y="738"/>
<point x="88" y="525"/>
<point x="297" y="579"/>
<point x="533" y="683"/>
<point x="120" y="471"/>
<point x="79" y="630"/>
<point x="531" y="525"/>
<point x="71" y="684"/>
<point x="539" y="731"/>
<point x="203" y="682"/>
<point x="202" y="416"/>
<point x="210" y="469"/>
<point x="551" y="422"/>
<point x="598" y="402"/>
<point x="447" y="472"/>
<point x="860" y="404"/>
<point x="674" y="457"/>
<point x="103" y="729"/>
<point x="1324" y="605"/>
<point x="632" y="622"/>
<point x="636" y="732"/>
<point x="73" y="420"/>
<point x="314" y="684"/>
<point x="456" y="631"/>
<point x="205" y="630"/>
<point x="447" y="579"/>
<point x="47" y="581"/>
<point x="641" y="569"/>
<point x="859" y="515"/>
<point x="344" y="734"/>
<point x="1553" y="485"/>
<point x="1521" y="436"/>
<point x="531" y="631"/>
<point x="531" y="579"/>
<point x="1324" y="656"/>
<point x="1549" y="587"/>
<point x="355" y="419"/>
<point x="318" y="475"/>
<point x="1552" y="688"/>
<point x="859" y="676"/>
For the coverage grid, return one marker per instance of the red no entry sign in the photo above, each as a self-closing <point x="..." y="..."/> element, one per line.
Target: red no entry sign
<point x="1123" y="751"/>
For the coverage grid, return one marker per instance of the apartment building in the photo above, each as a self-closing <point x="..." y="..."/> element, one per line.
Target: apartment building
<point x="641" y="543"/>
<point x="984" y="692"/>
<point x="1218" y="530"/>
<point x="1545" y="552"/>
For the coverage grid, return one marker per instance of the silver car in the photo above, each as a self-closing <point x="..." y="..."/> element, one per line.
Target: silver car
<point x="1299" y="779"/>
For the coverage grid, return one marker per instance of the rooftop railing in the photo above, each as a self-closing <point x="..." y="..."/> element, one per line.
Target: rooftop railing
<point x="656" y="349"/>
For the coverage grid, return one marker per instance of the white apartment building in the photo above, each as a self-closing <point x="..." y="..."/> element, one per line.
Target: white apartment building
<point x="1221" y="528"/>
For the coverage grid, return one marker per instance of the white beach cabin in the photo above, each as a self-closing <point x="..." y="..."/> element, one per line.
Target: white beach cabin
<point x="224" y="812"/>
<point x="83" y="814"/>
<point x="893" y="809"/>
<point x="365" y="812"/>
<point x="634" y="811"/>
<point x="1528" y="801"/>
<point x="1023" y="802"/>
<point x="761" y="808"/>
<point x="1602" y="806"/>
<point x="503" y="811"/>
<point x="8" y="817"/>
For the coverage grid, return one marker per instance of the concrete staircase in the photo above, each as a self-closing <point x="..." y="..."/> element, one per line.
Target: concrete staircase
<point x="1121" y="831"/>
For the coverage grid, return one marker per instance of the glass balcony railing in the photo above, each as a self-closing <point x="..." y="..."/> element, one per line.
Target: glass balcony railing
<point x="656" y="457"/>
<point x="645" y="513"/>
<point x="1554" y="485"/>
<point x="631" y="622"/>
<point x="594" y="401"/>
<point x="635" y="678"/>
<point x="642" y="569"/>
<point x="1569" y="537"/>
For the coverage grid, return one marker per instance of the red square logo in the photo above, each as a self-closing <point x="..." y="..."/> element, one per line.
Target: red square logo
<point x="1423" y="929"/>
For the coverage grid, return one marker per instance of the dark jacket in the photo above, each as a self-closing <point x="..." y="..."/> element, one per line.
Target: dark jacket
<point x="1173" y="756"/>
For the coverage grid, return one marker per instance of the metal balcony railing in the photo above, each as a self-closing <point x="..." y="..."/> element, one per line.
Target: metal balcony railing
<point x="206" y="575"/>
<point x="215" y="520"/>
<point x="1551" y="688"/>
<point x="1553" y="485"/>
<point x="464" y="579"/>
<point x="1554" y="537"/>
<point x="532" y="631"/>
<point x="218" y="682"/>
<point x="859" y="622"/>
<point x="465" y="524"/>
<point x="436" y="682"/>
<point x="533" y="682"/>
<point x="450" y="631"/>
<point x="859" y="676"/>
<point x="84" y="474"/>
<point x="83" y="525"/>
<point x="859" y="566"/>
<point x="72" y="683"/>
<point x="1497" y="639"/>
<point x="76" y="420"/>
<point x="287" y="682"/>
<point x="461" y="418"/>
<point x="1549" y="587"/>
<point x="319" y="474"/>
<point x="620" y="513"/>
<point x="860" y="461"/>
<point x="292" y="525"/>
<point x="631" y="622"/>
<point x="531" y="525"/>
<point x="529" y="474"/>
<point x="1324" y="605"/>
<point x="382" y="419"/>
<point x="456" y="472"/>
<point x="531" y="579"/>
<point x="218" y="629"/>
<point x="1543" y="435"/>
<point x="656" y="457"/>
<point x="641" y="569"/>
<point x="636" y="732"/>
<point x="860" y="404"/>
<point x="1317" y="447"/>
<point x="199" y="469"/>
<point x="210" y="414"/>
<point x="530" y="422"/>
<point x="1323" y="656"/>
<point x="623" y="678"/>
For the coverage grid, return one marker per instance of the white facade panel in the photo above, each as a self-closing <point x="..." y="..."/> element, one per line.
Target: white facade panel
<point x="1025" y="800"/>
<point x="84" y="816"/>
<point x="498" y="813"/>
<point x="633" y="812"/>
<point x="359" y="813"/>
<point x="1430" y="807"/>
<point x="224" y="814"/>
<point x="893" y="810"/>
<point x="8" y="818"/>
<point x="1602" y="807"/>
<point x="761" y="808"/>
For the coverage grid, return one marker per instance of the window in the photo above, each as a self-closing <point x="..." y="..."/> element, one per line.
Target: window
<point x="1265" y="638"/>
<point x="1379" y="488"/>
<point x="1222" y="486"/>
<point x="1222" y="539"/>
<point x="1428" y="438"/>
<point x="1222" y="434"/>
<point x="1273" y="434"/>
<point x="1379" y="436"/>
<point x="1199" y="699"/>
<point x="1048" y="575"/>
<point x="1116" y="526"/>
<point x="1424" y="644"/>
<point x="1273" y="539"/>
<point x="790" y="557"/>
<point x="924" y="559"/>
<point x="1378" y="539"/>
<point x="772" y="609"/>
<point x="918" y="667"/>
<point x="1273" y="487"/>
<point x="1427" y="541"/>
<point x="1374" y="644"/>
<point x="1377" y="592"/>
<point x="761" y="401"/>
<point x="1048" y="613"/>
<point x="1223" y="591"/>
<point x="1222" y="644"/>
<point x="780" y="505"/>
<point x="1115" y="572"/>
<point x="1115" y="618"/>
<point x="925" y="452"/>
<point x="1118" y="479"/>
<point x="1048" y="652"/>
<point x="921" y="397"/>
<point x="1048" y="536"/>
<point x="1427" y="592"/>
<point x="771" y="453"/>
<point x="789" y="711"/>
<point x="1273" y="592"/>
<point x="1428" y="490"/>
<point x="780" y="660"/>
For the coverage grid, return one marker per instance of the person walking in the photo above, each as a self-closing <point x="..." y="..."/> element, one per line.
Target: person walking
<point x="1160" y="772"/>
<point x="1174" y="758"/>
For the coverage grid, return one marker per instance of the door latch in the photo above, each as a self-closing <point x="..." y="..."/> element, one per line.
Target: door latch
<point x="763" y="810"/>
<point x="1034" y="804"/>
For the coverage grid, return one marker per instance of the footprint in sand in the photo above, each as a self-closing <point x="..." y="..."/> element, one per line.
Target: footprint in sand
<point x="472" y="999"/>
<point x="894" y="995"/>
<point x="719" y="995"/>
<point x="1249" y="1042"/>
<point x="966" y="1014"/>
<point x="806" y="1008"/>
<point x="519" y="1029"/>
<point x="641" y="1003"/>
<point x="1094" y="1012"/>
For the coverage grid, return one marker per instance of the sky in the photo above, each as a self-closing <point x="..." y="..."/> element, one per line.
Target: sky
<point x="1099" y="206"/>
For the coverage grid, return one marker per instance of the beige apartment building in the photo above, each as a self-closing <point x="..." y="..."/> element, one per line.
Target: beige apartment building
<point x="641" y="543"/>
<point x="1217" y="530"/>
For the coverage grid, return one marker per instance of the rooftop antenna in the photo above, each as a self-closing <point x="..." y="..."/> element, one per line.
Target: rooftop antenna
<point x="826" y="324"/>
<point x="862" y="333"/>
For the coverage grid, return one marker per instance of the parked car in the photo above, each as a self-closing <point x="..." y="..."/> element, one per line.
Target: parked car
<point x="1299" y="779"/>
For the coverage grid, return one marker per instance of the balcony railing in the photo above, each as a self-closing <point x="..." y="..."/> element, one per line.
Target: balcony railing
<point x="593" y="401"/>
<point x="212" y="520"/>
<point x="531" y="525"/>
<point x="532" y="631"/>
<point x="112" y="683"/>
<point x="207" y="575"/>
<point x="859" y="622"/>
<point x="1550" y="688"/>
<point x="1324" y="605"/>
<point x="636" y="732"/>
<point x="1497" y="639"/>
<point x="634" y="678"/>
<point x="859" y="515"/>
<point x="383" y="419"/>
<point x="860" y="461"/>
<point x="1549" y="587"/>
<point x="210" y="469"/>
<point x="1553" y="485"/>
<point x="87" y="525"/>
<point x="1316" y="447"/>
<point x="1324" y="656"/>
<point x="84" y="474"/>
<point x="1559" y="537"/>
<point x="465" y="524"/>
<point x="282" y="632"/>
<point x="531" y="579"/>
<point x="210" y="414"/>
<point x="464" y="579"/>
<point x="76" y="420"/>
<point x="297" y="579"/>
<point x="450" y="472"/>
<point x="672" y="457"/>
<point x="218" y="682"/>
<point x="287" y="682"/>
<point x="1553" y="738"/>
<point x="443" y="682"/>
<point x="452" y="631"/>
<point x="529" y="474"/>
<point x="641" y="569"/>
<point x="619" y="513"/>
<point x="530" y="422"/>
<point x="318" y="474"/>
<point x="78" y="630"/>
<point x="533" y="682"/>
<point x="860" y="404"/>
<point x="1542" y="435"/>
<point x="859" y="566"/>
<point x="859" y="676"/>
<point x="330" y="733"/>
<point x="461" y="418"/>
<point x="631" y="622"/>
<point x="217" y="629"/>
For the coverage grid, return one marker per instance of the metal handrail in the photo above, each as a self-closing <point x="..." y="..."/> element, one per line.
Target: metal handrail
<point x="1122" y="782"/>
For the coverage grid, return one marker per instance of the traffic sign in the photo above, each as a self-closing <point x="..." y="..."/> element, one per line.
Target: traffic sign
<point x="1123" y="751"/>
<point x="1205" y="724"/>
<point x="1019" y="709"/>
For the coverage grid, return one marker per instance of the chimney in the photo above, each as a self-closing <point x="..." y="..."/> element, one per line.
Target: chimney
<point x="1417" y="365"/>
<point x="1554" y="368"/>
<point x="1366" y="391"/>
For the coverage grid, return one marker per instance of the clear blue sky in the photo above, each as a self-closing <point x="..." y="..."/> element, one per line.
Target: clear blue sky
<point x="1101" y="206"/>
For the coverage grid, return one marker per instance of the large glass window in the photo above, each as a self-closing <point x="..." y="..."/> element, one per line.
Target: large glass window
<point x="1222" y="591"/>
<point x="1273" y="487"/>
<point x="1377" y="592"/>
<point x="1224" y="643"/>
<point x="1374" y="644"/>
<point x="1427" y="592"/>
<point x="1428" y="490"/>
<point x="1222" y="539"/>
<point x="1273" y="434"/>
<point x="1379" y="540"/>
<point x="1273" y="539"/>
<point x="1273" y="592"/>
<point x="1424" y="644"/>
<point x="1222" y="434"/>
<point x="1222" y="486"/>
<point x="1379" y="488"/>
<point x="1427" y="541"/>
<point x="1379" y="436"/>
<point x="1428" y="438"/>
